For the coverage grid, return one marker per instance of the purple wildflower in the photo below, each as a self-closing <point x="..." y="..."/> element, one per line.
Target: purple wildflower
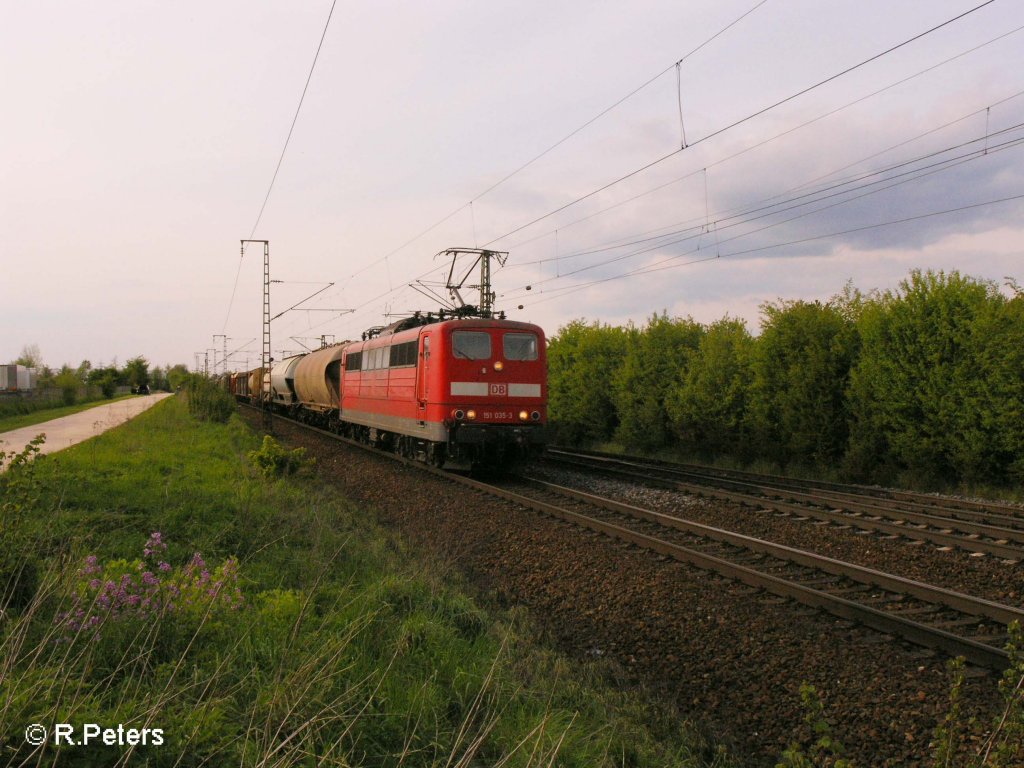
<point x="154" y="544"/>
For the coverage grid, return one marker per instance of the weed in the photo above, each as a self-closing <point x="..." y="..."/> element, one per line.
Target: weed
<point x="826" y="750"/>
<point x="274" y="460"/>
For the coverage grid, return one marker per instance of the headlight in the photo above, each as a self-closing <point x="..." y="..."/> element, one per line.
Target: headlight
<point x="498" y="365"/>
<point x="523" y="415"/>
<point x="535" y="415"/>
<point x="459" y="414"/>
<point x="470" y="414"/>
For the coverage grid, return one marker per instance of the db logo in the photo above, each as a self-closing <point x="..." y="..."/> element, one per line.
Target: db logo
<point x="499" y="389"/>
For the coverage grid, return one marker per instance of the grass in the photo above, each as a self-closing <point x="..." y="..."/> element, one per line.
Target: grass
<point x="340" y="647"/>
<point x="18" y="421"/>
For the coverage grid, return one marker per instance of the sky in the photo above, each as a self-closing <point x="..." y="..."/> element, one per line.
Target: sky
<point x="139" y="141"/>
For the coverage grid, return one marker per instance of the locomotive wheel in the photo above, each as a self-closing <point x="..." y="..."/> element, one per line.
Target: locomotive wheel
<point x="437" y="455"/>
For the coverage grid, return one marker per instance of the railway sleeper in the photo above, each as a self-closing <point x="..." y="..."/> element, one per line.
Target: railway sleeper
<point x="887" y="599"/>
<point x="858" y="589"/>
<point x="971" y="621"/>
<point x="922" y="610"/>
<point x="999" y="640"/>
<point x="821" y="581"/>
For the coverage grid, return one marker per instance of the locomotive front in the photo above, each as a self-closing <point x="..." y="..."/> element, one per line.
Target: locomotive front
<point x="486" y="382"/>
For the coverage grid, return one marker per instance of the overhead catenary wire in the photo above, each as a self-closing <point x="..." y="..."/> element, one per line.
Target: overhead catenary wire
<point x="793" y="129"/>
<point x="818" y="195"/>
<point x="902" y="179"/>
<point x="560" y="142"/>
<point x="739" y="122"/>
<point x="661" y="266"/>
<point x="280" y="159"/>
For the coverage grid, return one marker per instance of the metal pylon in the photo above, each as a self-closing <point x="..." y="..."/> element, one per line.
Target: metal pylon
<point x="268" y="422"/>
<point x="265" y="358"/>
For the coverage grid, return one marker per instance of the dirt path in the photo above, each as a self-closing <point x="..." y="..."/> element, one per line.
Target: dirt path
<point x="78" y="427"/>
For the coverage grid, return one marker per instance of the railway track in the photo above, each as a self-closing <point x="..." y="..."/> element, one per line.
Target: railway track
<point x="929" y="616"/>
<point x="926" y="615"/>
<point x="980" y="528"/>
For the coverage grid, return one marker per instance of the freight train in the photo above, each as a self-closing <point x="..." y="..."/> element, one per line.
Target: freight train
<point x="461" y="392"/>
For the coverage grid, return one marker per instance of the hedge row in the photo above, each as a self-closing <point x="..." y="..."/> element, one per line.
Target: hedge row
<point x="922" y="384"/>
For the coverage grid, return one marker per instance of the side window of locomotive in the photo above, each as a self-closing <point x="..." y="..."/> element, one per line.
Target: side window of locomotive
<point x="520" y="346"/>
<point x="471" y="345"/>
<point x="426" y="347"/>
<point x="353" y="361"/>
<point x="403" y="355"/>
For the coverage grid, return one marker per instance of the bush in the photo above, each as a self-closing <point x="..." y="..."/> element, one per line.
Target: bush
<point x="274" y="460"/>
<point x="207" y="401"/>
<point x="801" y="370"/>
<point x="708" y="405"/>
<point x="658" y="357"/>
<point x="108" y="386"/>
<point x="582" y="364"/>
<point x="69" y="385"/>
<point x="936" y="393"/>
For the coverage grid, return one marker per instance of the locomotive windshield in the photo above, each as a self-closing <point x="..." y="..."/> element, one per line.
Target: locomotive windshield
<point x="520" y="346"/>
<point x="471" y="345"/>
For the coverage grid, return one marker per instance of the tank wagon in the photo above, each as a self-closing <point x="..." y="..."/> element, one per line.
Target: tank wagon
<point x="255" y="386"/>
<point x="282" y="381"/>
<point x="317" y="378"/>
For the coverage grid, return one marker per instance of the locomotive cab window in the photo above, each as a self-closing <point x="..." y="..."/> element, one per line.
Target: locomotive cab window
<point x="471" y="345"/>
<point x="353" y="361"/>
<point x="520" y="346"/>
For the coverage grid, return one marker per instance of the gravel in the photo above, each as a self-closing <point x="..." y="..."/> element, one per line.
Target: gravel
<point x="981" y="576"/>
<point x="730" y="658"/>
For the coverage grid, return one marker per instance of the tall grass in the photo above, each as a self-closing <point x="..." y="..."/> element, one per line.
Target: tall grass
<point x="339" y="647"/>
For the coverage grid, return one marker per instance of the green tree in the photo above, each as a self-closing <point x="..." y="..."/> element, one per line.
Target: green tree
<point x="137" y="371"/>
<point x="801" y="368"/>
<point x="708" y="406"/>
<point x="177" y="375"/>
<point x="583" y="360"/>
<point x="30" y="356"/>
<point x="937" y="390"/>
<point x="656" y="360"/>
<point x="107" y="378"/>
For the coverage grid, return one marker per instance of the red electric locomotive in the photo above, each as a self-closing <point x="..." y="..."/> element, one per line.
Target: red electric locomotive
<point x="465" y="388"/>
<point x="463" y="392"/>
